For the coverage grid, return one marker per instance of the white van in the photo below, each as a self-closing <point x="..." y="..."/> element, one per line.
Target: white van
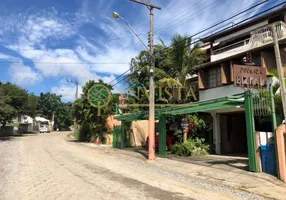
<point x="44" y="127"/>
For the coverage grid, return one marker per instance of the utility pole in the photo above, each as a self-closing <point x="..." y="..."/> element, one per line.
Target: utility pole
<point x="151" y="145"/>
<point x="279" y="69"/>
<point x="76" y="91"/>
<point x="76" y="83"/>
<point x="76" y="97"/>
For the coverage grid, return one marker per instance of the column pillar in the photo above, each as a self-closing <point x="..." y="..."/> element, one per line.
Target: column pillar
<point x="250" y="131"/>
<point x="162" y="135"/>
<point x="122" y="134"/>
<point x="216" y="132"/>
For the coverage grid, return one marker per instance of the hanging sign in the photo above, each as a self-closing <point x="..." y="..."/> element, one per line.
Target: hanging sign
<point x="173" y="127"/>
<point x="249" y="76"/>
<point x="184" y="123"/>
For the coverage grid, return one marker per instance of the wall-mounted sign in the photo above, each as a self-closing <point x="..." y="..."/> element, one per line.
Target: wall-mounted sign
<point x="249" y="76"/>
<point x="173" y="127"/>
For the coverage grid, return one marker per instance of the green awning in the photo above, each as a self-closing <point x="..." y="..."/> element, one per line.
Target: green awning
<point x="204" y="106"/>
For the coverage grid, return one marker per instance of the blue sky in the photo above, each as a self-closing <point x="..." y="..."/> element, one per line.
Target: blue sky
<point x="42" y="43"/>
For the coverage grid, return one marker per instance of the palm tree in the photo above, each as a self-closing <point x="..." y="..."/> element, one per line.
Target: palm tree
<point x="276" y="87"/>
<point x="277" y="93"/>
<point x="184" y="56"/>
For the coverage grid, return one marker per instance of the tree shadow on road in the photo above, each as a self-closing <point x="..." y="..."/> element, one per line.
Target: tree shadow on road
<point x="11" y="137"/>
<point x="142" y="152"/>
<point x="234" y="163"/>
<point x="5" y="138"/>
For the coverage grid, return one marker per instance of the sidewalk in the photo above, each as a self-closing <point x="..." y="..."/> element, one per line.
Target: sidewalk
<point x="258" y="183"/>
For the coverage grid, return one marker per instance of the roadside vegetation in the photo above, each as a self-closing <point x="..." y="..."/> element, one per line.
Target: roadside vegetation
<point x="173" y="66"/>
<point x="192" y="147"/>
<point x="16" y="101"/>
<point x="90" y="125"/>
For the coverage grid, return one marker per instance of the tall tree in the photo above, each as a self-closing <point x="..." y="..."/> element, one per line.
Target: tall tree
<point x="277" y="97"/>
<point x="48" y="104"/>
<point x="138" y="79"/>
<point x="14" y="102"/>
<point x="92" y="125"/>
<point x="63" y="115"/>
<point x="5" y="108"/>
<point x="184" y="56"/>
<point x="32" y="105"/>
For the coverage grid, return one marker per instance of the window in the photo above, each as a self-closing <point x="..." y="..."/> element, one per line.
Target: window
<point x="214" y="77"/>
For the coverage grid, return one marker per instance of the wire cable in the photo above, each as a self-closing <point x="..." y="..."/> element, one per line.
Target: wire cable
<point x="262" y="12"/>
<point x="191" y="16"/>
<point x="176" y="17"/>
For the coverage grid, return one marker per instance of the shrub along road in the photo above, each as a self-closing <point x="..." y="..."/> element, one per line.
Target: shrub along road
<point x="52" y="166"/>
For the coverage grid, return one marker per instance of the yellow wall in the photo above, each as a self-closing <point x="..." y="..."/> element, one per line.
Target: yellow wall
<point x="139" y="133"/>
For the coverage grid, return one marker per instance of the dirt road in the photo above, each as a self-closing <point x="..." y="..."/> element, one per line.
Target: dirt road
<point x="51" y="166"/>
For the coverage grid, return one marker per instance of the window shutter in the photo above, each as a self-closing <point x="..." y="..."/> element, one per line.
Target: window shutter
<point x="231" y="71"/>
<point x="202" y="80"/>
<point x="225" y="73"/>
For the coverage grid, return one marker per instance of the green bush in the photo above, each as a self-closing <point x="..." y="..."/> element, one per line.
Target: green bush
<point x="191" y="147"/>
<point x="84" y="133"/>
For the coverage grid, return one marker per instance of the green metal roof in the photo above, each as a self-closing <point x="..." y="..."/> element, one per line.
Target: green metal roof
<point x="204" y="106"/>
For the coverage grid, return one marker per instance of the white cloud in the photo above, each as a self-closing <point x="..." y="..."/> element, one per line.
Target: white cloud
<point x="66" y="91"/>
<point x="113" y="61"/>
<point x="35" y="31"/>
<point x="6" y="57"/>
<point x="57" y="63"/>
<point x="38" y="29"/>
<point x="24" y="75"/>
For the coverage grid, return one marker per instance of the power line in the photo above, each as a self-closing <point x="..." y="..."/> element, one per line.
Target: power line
<point x="68" y="63"/>
<point x="161" y="34"/>
<point x="192" y="15"/>
<point x="182" y="22"/>
<point x="219" y="31"/>
<point x="174" y="18"/>
<point x="255" y="5"/>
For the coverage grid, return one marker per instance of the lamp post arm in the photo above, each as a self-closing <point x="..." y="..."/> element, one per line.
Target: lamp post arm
<point x="134" y="32"/>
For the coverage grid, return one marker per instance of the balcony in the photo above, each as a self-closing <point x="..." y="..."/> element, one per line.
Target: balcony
<point x="258" y="38"/>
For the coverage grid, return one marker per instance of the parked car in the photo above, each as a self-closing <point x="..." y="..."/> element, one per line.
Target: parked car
<point x="44" y="127"/>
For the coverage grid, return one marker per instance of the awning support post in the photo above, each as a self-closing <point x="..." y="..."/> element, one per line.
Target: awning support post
<point x="250" y="131"/>
<point x="162" y="135"/>
<point x="122" y="134"/>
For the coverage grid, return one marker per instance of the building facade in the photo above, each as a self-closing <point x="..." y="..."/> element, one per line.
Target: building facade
<point x="249" y="44"/>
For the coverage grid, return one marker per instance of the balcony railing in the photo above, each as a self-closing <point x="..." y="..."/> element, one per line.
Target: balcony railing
<point x="258" y="38"/>
<point x="232" y="46"/>
<point x="264" y="35"/>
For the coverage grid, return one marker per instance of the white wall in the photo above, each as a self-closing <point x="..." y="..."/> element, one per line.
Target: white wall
<point x="219" y="92"/>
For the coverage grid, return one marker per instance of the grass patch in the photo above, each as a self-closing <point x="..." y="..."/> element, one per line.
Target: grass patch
<point x="16" y="124"/>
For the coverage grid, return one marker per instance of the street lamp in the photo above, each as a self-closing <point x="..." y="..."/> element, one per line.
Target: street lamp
<point x="116" y="16"/>
<point x="151" y="148"/>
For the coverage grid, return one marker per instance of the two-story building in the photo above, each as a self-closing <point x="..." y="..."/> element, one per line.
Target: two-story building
<point x="250" y="43"/>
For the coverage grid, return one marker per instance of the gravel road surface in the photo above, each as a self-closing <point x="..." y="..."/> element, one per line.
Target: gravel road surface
<point x="52" y="166"/>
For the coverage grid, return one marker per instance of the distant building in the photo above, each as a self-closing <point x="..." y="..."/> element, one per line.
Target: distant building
<point x="25" y="119"/>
